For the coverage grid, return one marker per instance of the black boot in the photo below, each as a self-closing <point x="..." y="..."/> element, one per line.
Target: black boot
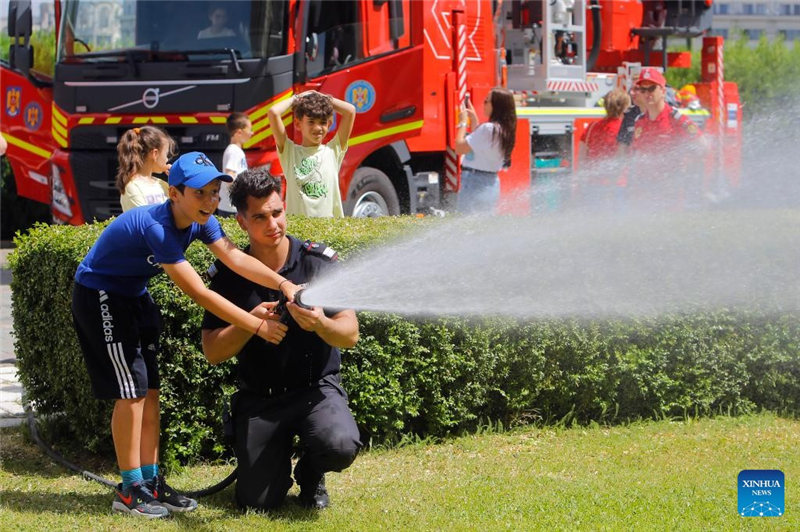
<point x="312" y="488"/>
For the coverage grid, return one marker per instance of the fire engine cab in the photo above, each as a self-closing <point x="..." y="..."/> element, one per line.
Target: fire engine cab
<point x="406" y="65"/>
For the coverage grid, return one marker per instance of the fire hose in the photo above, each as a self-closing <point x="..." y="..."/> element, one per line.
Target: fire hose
<point x="88" y="475"/>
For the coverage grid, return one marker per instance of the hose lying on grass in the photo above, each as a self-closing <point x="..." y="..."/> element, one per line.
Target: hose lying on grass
<point x="88" y="475"/>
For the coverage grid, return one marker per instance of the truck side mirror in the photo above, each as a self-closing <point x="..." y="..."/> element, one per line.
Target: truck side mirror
<point x="312" y="46"/>
<point x="20" y="24"/>
<point x="396" y="23"/>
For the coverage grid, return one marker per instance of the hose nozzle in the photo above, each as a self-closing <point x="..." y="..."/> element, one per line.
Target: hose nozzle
<point x="298" y="301"/>
<point x="281" y="310"/>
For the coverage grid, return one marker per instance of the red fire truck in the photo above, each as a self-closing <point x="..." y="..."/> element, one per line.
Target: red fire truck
<point x="406" y="65"/>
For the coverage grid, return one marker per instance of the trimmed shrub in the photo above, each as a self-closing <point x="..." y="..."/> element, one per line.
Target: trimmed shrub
<point x="431" y="377"/>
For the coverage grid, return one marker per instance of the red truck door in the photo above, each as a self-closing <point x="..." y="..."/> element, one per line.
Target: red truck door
<point x="26" y="109"/>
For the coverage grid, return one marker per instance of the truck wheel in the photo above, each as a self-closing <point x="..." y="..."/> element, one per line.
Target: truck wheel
<point x="371" y="194"/>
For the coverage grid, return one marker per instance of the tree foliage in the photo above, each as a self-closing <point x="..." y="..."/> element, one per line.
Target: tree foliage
<point x="767" y="73"/>
<point x="44" y="48"/>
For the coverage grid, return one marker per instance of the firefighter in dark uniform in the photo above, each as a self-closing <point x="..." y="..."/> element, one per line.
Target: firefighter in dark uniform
<point x="289" y="385"/>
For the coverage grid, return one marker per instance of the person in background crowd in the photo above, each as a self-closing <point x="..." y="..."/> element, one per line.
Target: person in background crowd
<point x="625" y="135"/>
<point x="218" y="16"/>
<point x="599" y="140"/>
<point x="601" y="177"/>
<point x="142" y="152"/>
<point x="659" y="123"/>
<point x="665" y="144"/>
<point x="312" y="168"/>
<point x="486" y="151"/>
<point x="234" y="161"/>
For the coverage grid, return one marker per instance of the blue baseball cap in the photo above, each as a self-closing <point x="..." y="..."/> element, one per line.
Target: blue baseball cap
<point x="195" y="170"/>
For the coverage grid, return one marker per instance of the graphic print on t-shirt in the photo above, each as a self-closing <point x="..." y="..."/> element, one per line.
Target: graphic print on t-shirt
<point x="310" y="179"/>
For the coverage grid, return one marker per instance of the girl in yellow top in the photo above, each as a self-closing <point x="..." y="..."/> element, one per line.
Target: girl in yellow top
<point x="142" y="152"/>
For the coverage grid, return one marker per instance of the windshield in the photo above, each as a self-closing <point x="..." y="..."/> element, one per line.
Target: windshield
<point x="95" y="29"/>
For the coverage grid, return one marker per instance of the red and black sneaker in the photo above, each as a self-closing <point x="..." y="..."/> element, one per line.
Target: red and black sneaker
<point x="137" y="500"/>
<point x="169" y="498"/>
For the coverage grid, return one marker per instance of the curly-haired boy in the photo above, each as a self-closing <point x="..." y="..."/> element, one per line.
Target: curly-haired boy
<point x="312" y="168"/>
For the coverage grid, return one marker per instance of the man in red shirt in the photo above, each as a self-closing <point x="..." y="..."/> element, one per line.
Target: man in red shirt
<point x="659" y="123"/>
<point x="665" y="146"/>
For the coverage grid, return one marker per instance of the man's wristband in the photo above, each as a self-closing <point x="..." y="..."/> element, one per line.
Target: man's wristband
<point x="461" y="124"/>
<point x="281" y="283"/>
<point x="259" y="327"/>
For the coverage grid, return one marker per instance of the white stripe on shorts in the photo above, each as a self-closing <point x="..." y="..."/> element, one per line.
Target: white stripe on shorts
<point x="127" y="389"/>
<point x="128" y="377"/>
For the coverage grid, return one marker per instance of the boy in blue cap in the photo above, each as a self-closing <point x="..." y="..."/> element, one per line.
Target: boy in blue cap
<point x="118" y="324"/>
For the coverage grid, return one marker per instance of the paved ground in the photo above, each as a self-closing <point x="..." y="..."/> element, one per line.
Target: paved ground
<point x="11" y="412"/>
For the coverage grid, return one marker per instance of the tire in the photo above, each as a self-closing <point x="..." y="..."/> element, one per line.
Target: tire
<point x="371" y="194"/>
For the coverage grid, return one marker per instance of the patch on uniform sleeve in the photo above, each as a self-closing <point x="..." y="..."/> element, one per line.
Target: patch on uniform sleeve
<point x="315" y="248"/>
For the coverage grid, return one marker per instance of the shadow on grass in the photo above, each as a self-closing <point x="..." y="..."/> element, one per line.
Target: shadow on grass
<point x="33" y="502"/>
<point x="20" y="456"/>
<point x="290" y="510"/>
<point x="222" y="505"/>
<point x="66" y="503"/>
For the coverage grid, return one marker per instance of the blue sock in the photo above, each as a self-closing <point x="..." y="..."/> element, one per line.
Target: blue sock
<point x="149" y="471"/>
<point x="132" y="476"/>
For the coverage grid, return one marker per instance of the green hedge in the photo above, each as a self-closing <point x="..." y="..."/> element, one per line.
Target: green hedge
<point x="427" y="377"/>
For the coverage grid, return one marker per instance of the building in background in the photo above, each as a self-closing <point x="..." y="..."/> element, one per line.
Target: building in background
<point x="99" y="24"/>
<point x="757" y="18"/>
<point x="44" y="19"/>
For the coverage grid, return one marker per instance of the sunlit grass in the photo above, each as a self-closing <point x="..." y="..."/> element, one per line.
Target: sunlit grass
<point x="650" y="475"/>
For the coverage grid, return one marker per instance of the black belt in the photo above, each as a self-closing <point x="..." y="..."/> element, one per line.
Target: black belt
<point x="272" y="393"/>
<point x="281" y="391"/>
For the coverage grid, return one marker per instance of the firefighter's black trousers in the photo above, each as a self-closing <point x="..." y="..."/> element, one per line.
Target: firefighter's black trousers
<point x="265" y="428"/>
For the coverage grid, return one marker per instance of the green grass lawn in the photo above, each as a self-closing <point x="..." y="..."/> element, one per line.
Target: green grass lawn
<point x="646" y="476"/>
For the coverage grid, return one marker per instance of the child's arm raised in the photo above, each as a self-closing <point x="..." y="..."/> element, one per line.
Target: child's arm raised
<point x="250" y="268"/>
<point x="275" y="115"/>
<point x="185" y="278"/>
<point x="348" y="112"/>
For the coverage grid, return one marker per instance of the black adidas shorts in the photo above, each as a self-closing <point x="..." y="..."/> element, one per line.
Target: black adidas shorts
<point x="119" y="339"/>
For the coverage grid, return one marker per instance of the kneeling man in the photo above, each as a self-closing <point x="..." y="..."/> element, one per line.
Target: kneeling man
<point x="289" y="385"/>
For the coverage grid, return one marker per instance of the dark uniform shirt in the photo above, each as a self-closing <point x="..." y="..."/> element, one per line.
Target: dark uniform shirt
<point x="302" y="358"/>
<point x="625" y="134"/>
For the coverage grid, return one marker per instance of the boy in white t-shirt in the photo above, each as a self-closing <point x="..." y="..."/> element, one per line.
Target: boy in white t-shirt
<point x="312" y="168"/>
<point x="234" y="161"/>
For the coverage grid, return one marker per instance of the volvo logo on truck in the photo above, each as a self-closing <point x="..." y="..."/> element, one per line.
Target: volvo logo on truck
<point x="150" y="98"/>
